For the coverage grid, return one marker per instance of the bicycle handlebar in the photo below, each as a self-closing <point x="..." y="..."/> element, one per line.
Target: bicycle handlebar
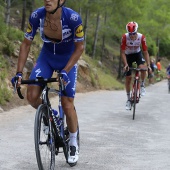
<point x="39" y="80"/>
<point x="43" y="81"/>
<point x="137" y="69"/>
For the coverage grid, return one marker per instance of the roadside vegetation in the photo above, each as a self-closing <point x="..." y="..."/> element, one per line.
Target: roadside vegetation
<point x="103" y="33"/>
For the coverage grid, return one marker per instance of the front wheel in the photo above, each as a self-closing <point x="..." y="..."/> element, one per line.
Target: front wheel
<point x="44" y="139"/>
<point x="135" y="90"/>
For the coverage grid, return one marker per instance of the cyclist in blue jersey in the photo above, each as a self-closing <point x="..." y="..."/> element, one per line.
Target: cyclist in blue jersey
<point x="62" y="34"/>
<point x="168" y="71"/>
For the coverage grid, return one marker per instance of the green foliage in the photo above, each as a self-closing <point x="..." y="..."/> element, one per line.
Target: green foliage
<point x="8" y="48"/>
<point x="89" y="45"/>
<point x="3" y="65"/>
<point x="107" y="81"/>
<point x="101" y="76"/>
<point x="152" y="46"/>
<point x="164" y="46"/>
<point x="5" y="94"/>
<point x="9" y="36"/>
<point x="15" y="34"/>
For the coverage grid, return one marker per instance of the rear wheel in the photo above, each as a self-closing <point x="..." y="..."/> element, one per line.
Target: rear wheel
<point x="44" y="139"/>
<point x="66" y="147"/>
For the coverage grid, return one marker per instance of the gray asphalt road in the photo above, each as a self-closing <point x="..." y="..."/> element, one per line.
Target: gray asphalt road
<point x="110" y="139"/>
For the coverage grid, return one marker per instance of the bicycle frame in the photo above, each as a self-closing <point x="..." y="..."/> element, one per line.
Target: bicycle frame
<point x="45" y="100"/>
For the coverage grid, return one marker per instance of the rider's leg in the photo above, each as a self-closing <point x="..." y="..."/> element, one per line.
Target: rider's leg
<point x="143" y="75"/>
<point x="127" y="85"/>
<point x="33" y="95"/>
<point x="72" y="123"/>
<point x="41" y="69"/>
<point x="71" y="116"/>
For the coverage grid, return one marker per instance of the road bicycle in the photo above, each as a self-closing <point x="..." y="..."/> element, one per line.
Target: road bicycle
<point x="50" y="132"/>
<point x="135" y="92"/>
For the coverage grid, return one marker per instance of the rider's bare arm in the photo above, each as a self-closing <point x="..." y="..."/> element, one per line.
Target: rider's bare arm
<point x="122" y="53"/>
<point x="146" y="55"/>
<point x="145" y="50"/>
<point x="24" y="50"/>
<point x="79" y="47"/>
<point x="122" y="50"/>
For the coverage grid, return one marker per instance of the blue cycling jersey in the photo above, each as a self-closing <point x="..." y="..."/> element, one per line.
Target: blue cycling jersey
<point x="168" y="70"/>
<point x="55" y="56"/>
<point x="72" y="30"/>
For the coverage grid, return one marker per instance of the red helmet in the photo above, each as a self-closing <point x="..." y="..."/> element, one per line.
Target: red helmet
<point x="132" y="27"/>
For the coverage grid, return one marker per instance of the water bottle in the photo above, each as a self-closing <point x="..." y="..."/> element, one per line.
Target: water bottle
<point x="56" y="114"/>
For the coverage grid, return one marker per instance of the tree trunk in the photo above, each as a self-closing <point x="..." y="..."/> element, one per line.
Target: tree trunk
<point x="96" y="36"/>
<point x="85" y="28"/>
<point x="80" y="11"/>
<point x="103" y="38"/>
<point x="7" y="15"/>
<point x="120" y="67"/>
<point x="23" y="15"/>
<point x="32" y="5"/>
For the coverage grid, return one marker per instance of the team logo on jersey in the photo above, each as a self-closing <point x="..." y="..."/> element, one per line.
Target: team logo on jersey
<point x="74" y="17"/>
<point x="29" y="28"/>
<point x="79" y="31"/>
<point x="34" y="14"/>
<point x="66" y="33"/>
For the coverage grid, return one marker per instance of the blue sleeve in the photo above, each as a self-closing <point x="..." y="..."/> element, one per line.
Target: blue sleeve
<point x="77" y="27"/>
<point x="33" y="24"/>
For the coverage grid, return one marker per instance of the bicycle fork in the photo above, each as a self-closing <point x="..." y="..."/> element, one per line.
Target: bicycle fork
<point x="136" y="89"/>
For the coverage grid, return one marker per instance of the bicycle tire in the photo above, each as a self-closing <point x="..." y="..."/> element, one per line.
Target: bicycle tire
<point x="48" y="144"/>
<point x="78" y="137"/>
<point x="135" y="97"/>
<point x="66" y="147"/>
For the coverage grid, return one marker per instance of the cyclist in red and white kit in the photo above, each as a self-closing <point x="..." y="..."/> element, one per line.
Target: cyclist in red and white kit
<point x="131" y="52"/>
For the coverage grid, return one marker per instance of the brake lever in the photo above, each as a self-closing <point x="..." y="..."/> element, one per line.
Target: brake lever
<point x="15" y="86"/>
<point x="62" y="85"/>
<point x="19" y="93"/>
<point x="18" y="90"/>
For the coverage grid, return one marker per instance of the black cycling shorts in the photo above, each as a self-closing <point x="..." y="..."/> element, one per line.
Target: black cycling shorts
<point x="136" y="57"/>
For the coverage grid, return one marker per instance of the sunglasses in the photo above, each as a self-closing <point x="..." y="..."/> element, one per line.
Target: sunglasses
<point x="134" y="33"/>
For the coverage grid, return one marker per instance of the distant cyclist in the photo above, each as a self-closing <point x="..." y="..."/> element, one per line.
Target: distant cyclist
<point x="159" y="68"/>
<point x="62" y="34"/>
<point x="151" y="75"/>
<point x="131" y="52"/>
<point x="168" y="71"/>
